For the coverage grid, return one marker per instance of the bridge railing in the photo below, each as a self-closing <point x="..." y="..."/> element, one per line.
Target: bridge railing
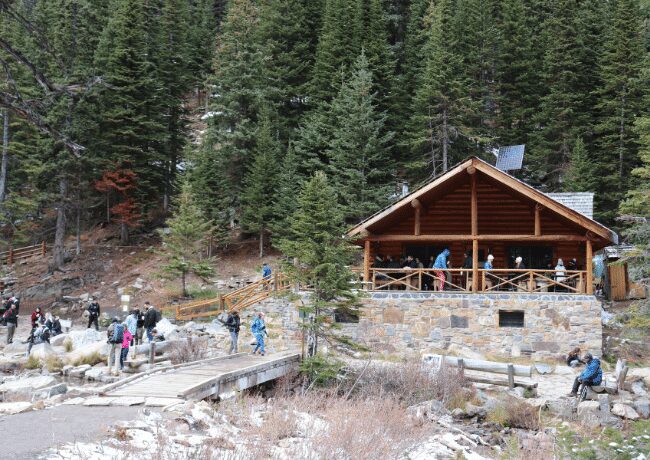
<point x="13" y="255"/>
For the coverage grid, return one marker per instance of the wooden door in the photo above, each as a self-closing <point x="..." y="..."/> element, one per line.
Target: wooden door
<point x="618" y="281"/>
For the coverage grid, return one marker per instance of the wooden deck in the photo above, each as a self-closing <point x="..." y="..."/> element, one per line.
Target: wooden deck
<point x="207" y="378"/>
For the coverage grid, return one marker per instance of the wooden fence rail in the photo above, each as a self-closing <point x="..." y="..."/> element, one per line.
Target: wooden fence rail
<point x="12" y="255"/>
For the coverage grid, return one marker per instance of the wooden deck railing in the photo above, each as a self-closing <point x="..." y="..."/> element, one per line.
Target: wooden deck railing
<point x="460" y="280"/>
<point x="13" y="255"/>
<point x="236" y="300"/>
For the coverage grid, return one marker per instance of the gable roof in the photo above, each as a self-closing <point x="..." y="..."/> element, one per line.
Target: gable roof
<point x="582" y="202"/>
<point x="503" y="178"/>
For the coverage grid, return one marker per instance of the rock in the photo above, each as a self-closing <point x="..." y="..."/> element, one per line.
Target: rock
<point x="427" y="410"/>
<point x="66" y="369"/>
<point x="588" y="409"/>
<point x="474" y="411"/>
<point x="85" y="337"/>
<point x="79" y="371"/>
<point x="603" y="400"/>
<point x="43" y="351"/>
<point x="87" y="350"/>
<point x="638" y="388"/>
<point x="29" y="384"/>
<point x="58" y="340"/>
<point x="458" y="413"/>
<point x="542" y="368"/>
<point x="164" y="326"/>
<point x="95" y="373"/>
<point x="641" y="372"/>
<point x="519" y="391"/>
<point x="10" y="408"/>
<point x="54" y="390"/>
<point x="15" y="347"/>
<point x="84" y="297"/>
<point x="624" y="411"/>
<point x="642" y="406"/>
<point x="127" y="401"/>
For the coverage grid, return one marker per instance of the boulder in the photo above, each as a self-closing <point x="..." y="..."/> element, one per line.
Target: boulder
<point x="624" y="411"/>
<point x="95" y="373"/>
<point x="638" y="388"/>
<point x="642" y="406"/>
<point x="57" y="340"/>
<point x="588" y="409"/>
<point x="603" y="400"/>
<point x="87" y="350"/>
<point x="164" y="326"/>
<point x="15" y="347"/>
<point x="641" y="372"/>
<point x="79" y="371"/>
<point x="54" y="390"/>
<point x="85" y="337"/>
<point x="27" y="385"/>
<point x="519" y="391"/>
<point x="10" y="408"/>
<point x="43" y="351"/>
<point x="428" y="410"/>
<point x="84" y="297"/>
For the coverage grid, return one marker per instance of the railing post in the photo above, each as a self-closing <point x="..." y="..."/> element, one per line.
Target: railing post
<point x="275" y="281"/>
<point x="420" y="280"/>
<point x="152" y="352"/>
<point x="43" y="249"/>
<point x="511" y="376"/>
<point x="531" y="283"/>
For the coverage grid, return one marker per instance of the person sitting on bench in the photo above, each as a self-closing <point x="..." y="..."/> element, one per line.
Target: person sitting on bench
<point x="591" y="376"/>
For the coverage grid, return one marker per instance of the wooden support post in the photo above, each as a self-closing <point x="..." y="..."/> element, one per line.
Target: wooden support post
<point x="43" y="249"/>
<point x="418" y="210"/>
<point x="511" y="376"/>
<point x="474" y="265"/>
<point x="152" y="352"/>
<point x="275" y="281"/>
<point x="538" y="222"/>
<point x="474" y="204"/>
<point x="461" y="365"/>
<point x="589" y="267"/>
<point x="366" y="262"/>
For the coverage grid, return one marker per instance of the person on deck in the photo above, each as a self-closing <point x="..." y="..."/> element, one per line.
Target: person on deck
<point x="591" y="376"/>
<point x="258" y="329"/>
<point x="572" y="265"/>
<point x="521" y="277"/>
<point x="233" y="323"/>
<point x="441" y="266"/>
<point x="488" y="265"/>
<point x="409" y="264"/>
<point x="468" y="265"/>
<point x="560" y="274"/>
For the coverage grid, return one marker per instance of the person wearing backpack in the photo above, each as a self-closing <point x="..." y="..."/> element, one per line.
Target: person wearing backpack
<point x="151" y="318"/>
<point x="233" y="322"/>
<point x="139" y="331"/>
<point x="115" y="335"/>
<point x="11" y="319"/>
<point x="93" y="313"/>
<point x="126" y="343"/>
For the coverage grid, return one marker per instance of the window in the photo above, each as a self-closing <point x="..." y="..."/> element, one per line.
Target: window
<point x="534" y="256"/>
<point x="511" y="318"/>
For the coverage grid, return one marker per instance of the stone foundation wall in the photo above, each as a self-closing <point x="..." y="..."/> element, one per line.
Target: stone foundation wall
<point x="429" y="322"/>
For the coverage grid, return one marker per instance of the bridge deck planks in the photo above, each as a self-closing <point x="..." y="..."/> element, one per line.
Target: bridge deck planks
<point x="173" y="382"/>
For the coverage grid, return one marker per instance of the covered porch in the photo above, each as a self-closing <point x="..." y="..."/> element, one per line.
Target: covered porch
<point x="476" y="210"/>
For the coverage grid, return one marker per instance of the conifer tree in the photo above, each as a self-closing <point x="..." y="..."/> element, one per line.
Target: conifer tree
<point x="286" y="196"/>
<point x="185" y="238"/>
<point x="619" y="104"/>
<point x="260" y="183"/>
<point x="358" y="154"/>
<point x="315" y="239"/>
<point x="581" y="174"/>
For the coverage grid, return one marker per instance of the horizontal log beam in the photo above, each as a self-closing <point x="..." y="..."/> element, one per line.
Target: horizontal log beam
<point x="456" y="237"/>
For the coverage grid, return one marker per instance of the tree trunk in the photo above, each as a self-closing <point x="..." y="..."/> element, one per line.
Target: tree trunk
<point x="183" y="283"/>
<point x="261" y="242"/>
<point x="108" y="209"/>
<point x="445" y="140"/>
<point x="124" y="234"/>
<point x="58" y="257"/>
<point x="78" y="248"/>
<point x="5" y="155"/>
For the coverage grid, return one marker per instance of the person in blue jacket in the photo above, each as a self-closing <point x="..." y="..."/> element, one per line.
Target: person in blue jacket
<point x="441" y="267"/>
<point x="258" y="329"/>
<point x="592" y="375"/>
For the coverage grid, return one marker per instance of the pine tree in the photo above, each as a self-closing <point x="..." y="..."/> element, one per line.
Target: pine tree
<point x="619" y="103"/>
<point x="581" y="174"/>
<point x="286" y="195"/>
<point x="239" y="93"/>
<point x="315" y="239"/>
<point x="359" y="152"/>
<point x="441" y="106"/>
<point x="260" y="183"/>
<point x="185" y="238"/>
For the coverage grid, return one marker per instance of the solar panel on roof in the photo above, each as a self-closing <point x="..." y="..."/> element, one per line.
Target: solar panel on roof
<point x="510" y="157"/>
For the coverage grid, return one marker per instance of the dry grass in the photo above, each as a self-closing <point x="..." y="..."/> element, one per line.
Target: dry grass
<point x="92" y="359"/>
<point x="33" y="363"/>
<point x="515" y="413"/>
<point x="192" y="350"/>
<point x="67" y="346"/>
<point x="54" y="364"/>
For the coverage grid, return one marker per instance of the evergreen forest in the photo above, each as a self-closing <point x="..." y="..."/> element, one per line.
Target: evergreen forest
<point x="112" y="109"/>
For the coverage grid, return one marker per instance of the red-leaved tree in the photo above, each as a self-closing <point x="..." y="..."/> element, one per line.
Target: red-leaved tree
<point x="120" y="183"/>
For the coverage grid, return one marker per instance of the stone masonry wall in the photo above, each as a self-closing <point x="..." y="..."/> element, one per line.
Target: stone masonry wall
<point x="430" y="322"/>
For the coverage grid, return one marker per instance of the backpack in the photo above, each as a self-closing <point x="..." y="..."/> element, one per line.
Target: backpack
<point x="118" y="334"/>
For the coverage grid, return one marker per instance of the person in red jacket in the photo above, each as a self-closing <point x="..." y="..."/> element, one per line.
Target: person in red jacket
<point x="37" y="316"/>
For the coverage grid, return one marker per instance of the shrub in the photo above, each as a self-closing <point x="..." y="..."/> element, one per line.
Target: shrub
<point x="33" y="363"/>
<point x="193" y="349"/>
<point x="54" y="364"/>
<point x="321" y="370"/>
<point x="92" y="359"/>
<point x="515" y="413"/>
<point x="67" y="346"/>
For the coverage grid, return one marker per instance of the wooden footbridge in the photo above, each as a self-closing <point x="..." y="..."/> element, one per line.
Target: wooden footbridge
<point x="207" y="378"/>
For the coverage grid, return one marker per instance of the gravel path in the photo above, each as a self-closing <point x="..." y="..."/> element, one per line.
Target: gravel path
<point x="25" y="436"/>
